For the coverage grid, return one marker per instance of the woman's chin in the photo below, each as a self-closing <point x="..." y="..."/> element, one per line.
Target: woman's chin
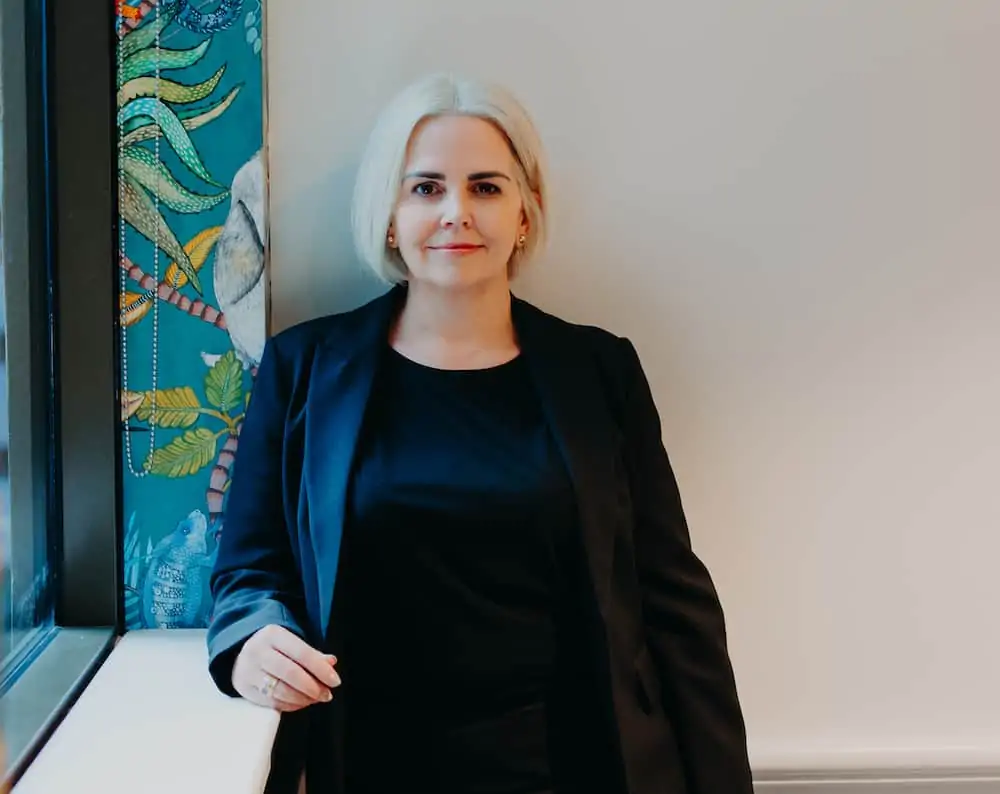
<point x="459" y="276"/>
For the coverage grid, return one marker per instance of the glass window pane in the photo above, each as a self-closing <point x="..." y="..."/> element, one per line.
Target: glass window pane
<point x="26" y="392"/>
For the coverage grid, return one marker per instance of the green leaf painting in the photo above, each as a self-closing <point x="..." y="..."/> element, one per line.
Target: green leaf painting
<point x="145" y="61"/>
<point x="173" y="407"/>
<point x="141" y="212"/>
<point x="224" y="383"/>
<point x="142" y="166"/>
<point x="191" y="118"/>
<point x="185" y="455"/>
<point x="151" y="106"/>
<point x="168" y="90"/>
<point x="172" y="128"/>
<point x="145" y="36"/>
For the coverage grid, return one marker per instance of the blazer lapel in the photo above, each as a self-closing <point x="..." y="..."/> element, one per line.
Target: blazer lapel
<point x="574" y="401"/>
<point x="339" y="388"/>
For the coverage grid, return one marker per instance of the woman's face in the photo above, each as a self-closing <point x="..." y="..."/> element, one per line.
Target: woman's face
<point x="459" y="212"/>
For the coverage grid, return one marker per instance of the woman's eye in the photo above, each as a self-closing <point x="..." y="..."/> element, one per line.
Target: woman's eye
<point x="426" y="189"/>
<point x="486" y="188"/>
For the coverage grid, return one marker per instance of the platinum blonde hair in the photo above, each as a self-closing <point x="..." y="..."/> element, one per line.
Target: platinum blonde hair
<point x="376" y="189"/>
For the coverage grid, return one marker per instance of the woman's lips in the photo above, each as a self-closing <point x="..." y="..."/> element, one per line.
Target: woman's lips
<point x="458" y="248"/>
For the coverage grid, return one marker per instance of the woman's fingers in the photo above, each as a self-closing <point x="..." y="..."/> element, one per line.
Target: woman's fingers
<point x="267" y="690"/>
<point x="301" y="675"/>
<point x="283" y="706"/>
<point x="286" y="698"/>
<point x="317" y="664"/>
<point x="292" y="676"/>
<point x="277" y="694"/>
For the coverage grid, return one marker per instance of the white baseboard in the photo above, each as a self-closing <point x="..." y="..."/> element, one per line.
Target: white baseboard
<point x="983" y="781"/>
<point x="958" y="767"/>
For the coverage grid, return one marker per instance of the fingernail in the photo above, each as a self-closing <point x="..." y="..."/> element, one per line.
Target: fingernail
<point x="336" y="680"/>
<point x="332" y="658"/>
<point x="327" y="696"/>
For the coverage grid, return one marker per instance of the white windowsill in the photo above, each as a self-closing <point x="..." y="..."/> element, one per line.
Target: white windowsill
<point x="152" y="721"/>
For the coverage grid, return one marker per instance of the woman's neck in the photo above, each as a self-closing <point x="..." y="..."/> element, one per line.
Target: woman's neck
<point x="450" y="329"/>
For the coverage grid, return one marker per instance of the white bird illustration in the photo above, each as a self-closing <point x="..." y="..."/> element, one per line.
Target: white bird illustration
<point x="239" y="264"/>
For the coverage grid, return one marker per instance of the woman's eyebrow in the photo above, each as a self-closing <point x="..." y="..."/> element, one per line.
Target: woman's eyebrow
<point x="474" y="177"/>
<point x="488" y="175"/>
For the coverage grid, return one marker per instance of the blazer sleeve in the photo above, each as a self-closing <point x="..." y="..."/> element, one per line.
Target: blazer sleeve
<point x="685" y="627"/>
<point x="255" y="580"/>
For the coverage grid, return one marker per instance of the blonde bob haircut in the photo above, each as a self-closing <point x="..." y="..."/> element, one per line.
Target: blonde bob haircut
<point x="376" y="189"/>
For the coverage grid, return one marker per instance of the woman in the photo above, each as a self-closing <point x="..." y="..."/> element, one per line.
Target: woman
<point x="517" y="608"/>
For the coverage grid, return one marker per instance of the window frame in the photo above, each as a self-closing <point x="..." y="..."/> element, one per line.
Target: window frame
<point x="67" y="55"/>
<point x="85" y="259"/>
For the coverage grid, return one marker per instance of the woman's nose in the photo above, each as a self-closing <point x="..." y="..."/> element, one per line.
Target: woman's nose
<point x="455" y="212"/>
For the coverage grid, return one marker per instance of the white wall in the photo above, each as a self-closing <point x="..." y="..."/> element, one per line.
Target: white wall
<point x="793" y="208"/>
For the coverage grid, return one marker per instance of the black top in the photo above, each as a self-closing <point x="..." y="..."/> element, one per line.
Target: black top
<point x="462" y="523"/>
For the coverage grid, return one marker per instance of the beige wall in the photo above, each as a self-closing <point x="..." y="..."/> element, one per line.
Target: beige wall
<point x="793" y="208"/>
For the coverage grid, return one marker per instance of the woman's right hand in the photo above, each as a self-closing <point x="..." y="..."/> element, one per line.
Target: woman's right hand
<point x="278" y="670"/>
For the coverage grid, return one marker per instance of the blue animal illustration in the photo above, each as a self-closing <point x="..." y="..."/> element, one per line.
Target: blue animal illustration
<point x="174" y="582"/>
<point x="194" y="19"/>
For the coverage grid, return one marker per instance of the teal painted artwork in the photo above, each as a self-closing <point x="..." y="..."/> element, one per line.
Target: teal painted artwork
<point x="192" y="204"/>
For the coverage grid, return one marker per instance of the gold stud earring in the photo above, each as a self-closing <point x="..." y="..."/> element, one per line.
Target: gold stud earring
<point x="392" y="240"/>
<point x="520" y="241"/>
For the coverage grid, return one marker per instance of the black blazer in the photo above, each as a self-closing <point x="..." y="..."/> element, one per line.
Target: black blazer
<point x="656" y="629"/>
